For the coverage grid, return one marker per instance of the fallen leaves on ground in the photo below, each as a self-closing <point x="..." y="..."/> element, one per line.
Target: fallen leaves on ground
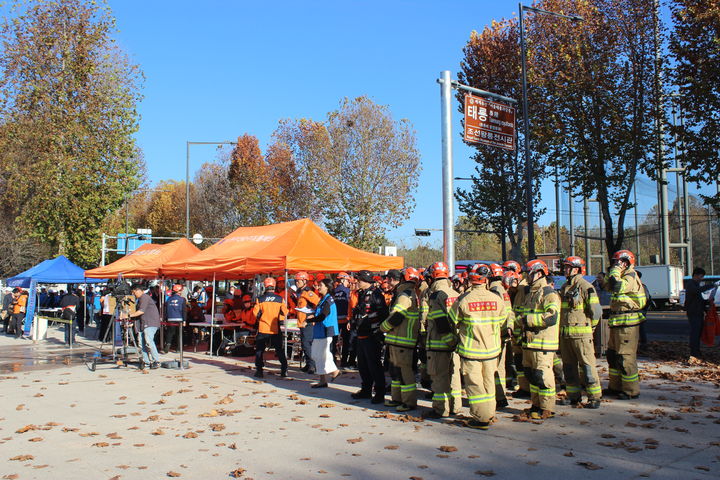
<point x="190" y="435"/>
<point x="237" y="473"/>
<point x="27" y="428"/>
<point x="22" y="458"/>
<point x="447" y="448"/>
<point x="485" y="473"/>
<point x="392" y="447"/>
<point x="101" y="444"/>
<point x="326" y="405"/>
<point x="589" y="465"/>
<point x="354" y="440"/>
<point x="225" y="400"/>
<point x="35" y="439"/>
<point x="217" y="427"/>
<point x="173" y="474"/>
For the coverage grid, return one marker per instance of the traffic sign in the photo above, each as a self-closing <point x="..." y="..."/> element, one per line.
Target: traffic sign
<point x="489" y="123"/>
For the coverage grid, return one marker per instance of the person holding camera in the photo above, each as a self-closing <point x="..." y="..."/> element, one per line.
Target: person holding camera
<point x="149" y="316"/>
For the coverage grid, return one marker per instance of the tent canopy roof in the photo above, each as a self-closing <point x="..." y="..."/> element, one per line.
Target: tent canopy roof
<point x="145" y="262"/>
<point x="55" y="270"/>
<point x="294" y="246"/>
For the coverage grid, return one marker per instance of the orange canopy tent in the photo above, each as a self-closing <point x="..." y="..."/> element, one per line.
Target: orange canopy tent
<point x="145" y="262"/>
<point x="294" y="246"/>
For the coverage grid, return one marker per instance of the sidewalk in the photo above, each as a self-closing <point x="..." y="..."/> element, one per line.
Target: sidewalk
<point x="214" y="419"/>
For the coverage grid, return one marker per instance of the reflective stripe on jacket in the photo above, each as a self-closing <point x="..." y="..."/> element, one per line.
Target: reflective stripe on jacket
<point x="542" y="310"/>
<point x="581" y="310"/>
<point x="627" y="299"/>
<point x="434" y="315"/>
<point x="405" y="333"/>
<point x="478" y="315"/>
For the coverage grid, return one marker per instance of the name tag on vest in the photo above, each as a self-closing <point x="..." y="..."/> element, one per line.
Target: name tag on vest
<point x="482" y="306"/>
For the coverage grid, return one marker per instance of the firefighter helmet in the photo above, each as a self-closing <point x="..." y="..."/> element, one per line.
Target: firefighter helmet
<point x="411" y="274"/>
<point x="536" y="266"/>
<point x="440" y="270"/>
<point x="479" y="273"/>
<point x="513" y="266"/>
<point x="496" y="270"/>
<point x="625" y="255"/>
<point x="301" y="276"/>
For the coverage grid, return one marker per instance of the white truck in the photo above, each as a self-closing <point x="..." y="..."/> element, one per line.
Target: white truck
<point x="664" y="282"/>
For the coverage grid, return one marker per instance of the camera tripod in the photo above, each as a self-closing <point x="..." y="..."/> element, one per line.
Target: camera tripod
<point x="128" y="337"/>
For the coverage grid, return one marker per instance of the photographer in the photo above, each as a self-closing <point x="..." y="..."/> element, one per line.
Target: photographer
<point x="149" y="317"/>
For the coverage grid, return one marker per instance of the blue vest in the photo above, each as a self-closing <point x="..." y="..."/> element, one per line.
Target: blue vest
<point x="175" y="306"/>
<point x="329" y="326"/>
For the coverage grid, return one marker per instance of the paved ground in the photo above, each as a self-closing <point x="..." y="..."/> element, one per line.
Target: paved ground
<point x="214" y="419"/>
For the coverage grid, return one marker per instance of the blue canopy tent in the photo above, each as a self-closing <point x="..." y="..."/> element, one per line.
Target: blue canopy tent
<point x="56" y="270"/>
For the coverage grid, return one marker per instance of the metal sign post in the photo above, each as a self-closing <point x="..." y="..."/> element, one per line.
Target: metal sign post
<point x="446" y="86"/>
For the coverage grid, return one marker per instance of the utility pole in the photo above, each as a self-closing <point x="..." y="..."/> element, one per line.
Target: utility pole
<point x="586" y="217"/>
<point x="659" y="108"/>
<point x="447" y="170"/>
<point x="571" y="203"/>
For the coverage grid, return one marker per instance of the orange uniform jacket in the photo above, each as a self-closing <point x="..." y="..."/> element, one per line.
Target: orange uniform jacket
<point x="290" y="303"/>
<point x="352" y="303"/>
<point x="307" y="298"/>
<point x="269" y="311"/>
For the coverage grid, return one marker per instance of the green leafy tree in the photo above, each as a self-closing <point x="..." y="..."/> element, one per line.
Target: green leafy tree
<point x="496" y="201"/>
<point x="596" y="122"/>
<point x="68" y="112"/>
<point x="695" y="45"/>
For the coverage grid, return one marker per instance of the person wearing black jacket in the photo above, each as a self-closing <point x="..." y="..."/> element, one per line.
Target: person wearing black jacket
<point x="176" y="313"/>
<point x="69" y="304"/>
<point x="370" y="311"/>
<point x="695" y="308"/>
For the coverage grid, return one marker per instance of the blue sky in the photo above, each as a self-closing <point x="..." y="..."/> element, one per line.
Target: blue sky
<point x="218" y="69"/>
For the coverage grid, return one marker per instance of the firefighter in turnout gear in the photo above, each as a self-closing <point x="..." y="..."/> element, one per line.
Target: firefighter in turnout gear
<point x="401" y="335"/>
<point x="540" y="338"/>
<point x="495" y="285"/>
<point x="579" y="315"/>
<point x="626" y="304"/>
<point x="443" y="365"/>
<point x="478" y="315"/>
<point x="519" y="310"/>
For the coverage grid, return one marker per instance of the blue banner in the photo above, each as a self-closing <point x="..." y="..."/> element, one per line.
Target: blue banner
<point x="30" y="307"/>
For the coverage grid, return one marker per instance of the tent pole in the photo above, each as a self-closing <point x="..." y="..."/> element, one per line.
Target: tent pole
<point x="285" y="335"/>
<point x="212" y="314"/>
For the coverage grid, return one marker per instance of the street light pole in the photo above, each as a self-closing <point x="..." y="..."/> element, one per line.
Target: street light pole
<point x="526" y="134"/>
<point x="187" y="179"/>
<point x="526" y="123"/>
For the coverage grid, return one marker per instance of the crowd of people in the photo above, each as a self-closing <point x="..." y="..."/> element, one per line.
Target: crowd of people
<point x="493" y="328"/>
<point x="486" y="331"/>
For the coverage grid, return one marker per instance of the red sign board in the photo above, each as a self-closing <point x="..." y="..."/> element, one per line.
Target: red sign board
<point x="489" y="123"/>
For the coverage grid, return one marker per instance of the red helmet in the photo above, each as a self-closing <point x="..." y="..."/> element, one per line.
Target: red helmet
<point x="626" y="255"/>
<point x="575" y="262"/>
<point x="496" y="270"/>
<point x="343" y="276"/>
<point x="269" y="282"/>
<point x="509" y="277"/>
<point x="319" y="276"/>
<point x="513" y="266"/>
<point x="301" y="276"/>
<point x="479" y="273"/>
<point x="411" y="275"/>
<point x="537" y="266"/>
<point x="439" y="270"/>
